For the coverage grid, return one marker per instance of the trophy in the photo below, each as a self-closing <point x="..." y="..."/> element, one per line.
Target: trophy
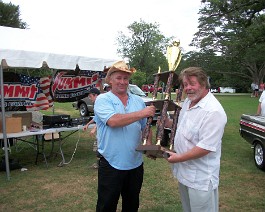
<point x="165" y="105"/>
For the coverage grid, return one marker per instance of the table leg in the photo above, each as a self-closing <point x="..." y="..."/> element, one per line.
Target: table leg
<point x="61" y="152"/>
<point x="42" y="150"/>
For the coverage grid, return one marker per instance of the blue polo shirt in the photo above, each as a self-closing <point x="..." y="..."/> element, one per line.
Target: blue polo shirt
<point x="118" y="144"/>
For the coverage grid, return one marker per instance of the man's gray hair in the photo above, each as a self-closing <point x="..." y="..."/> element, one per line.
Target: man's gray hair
<point x="197" y="72"/>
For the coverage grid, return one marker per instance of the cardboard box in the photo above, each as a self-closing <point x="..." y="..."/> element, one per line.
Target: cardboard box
<point x="26" y="118"/>
<point x="13" y="125"/>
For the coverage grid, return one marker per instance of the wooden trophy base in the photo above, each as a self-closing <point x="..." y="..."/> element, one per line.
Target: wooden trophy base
<point x="156" y="151"/>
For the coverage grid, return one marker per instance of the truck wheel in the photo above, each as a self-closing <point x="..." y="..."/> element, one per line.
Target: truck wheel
<point x="259" y="155"/>
<point x="83" y="110"/>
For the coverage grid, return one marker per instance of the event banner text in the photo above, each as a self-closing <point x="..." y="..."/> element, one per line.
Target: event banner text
<point x="23" y="92"/>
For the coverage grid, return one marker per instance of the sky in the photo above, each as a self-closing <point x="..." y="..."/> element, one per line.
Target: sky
<point x="90" y="28"/>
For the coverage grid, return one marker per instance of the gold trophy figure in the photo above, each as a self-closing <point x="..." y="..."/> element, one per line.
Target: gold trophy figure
<point x="173" y="55"/>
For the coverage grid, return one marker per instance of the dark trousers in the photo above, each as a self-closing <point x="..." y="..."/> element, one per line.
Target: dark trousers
<point x="113" y="182"/>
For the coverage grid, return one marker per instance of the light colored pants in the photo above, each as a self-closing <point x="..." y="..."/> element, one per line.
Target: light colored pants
<point x="199" y="201"/>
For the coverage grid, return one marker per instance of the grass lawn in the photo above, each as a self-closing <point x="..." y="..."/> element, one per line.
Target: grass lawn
<point x="73" y="187"/>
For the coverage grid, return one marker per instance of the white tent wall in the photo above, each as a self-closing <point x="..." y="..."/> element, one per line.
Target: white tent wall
<point x="27" y="59"/>
<point x="14" y="54"/>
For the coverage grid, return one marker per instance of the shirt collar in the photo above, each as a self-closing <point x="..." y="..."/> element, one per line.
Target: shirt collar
<point x="203" y="101"/>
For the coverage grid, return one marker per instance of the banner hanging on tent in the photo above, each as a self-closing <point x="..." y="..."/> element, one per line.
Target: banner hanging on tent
<point x="23" y="92"/>
<point x="69" y="86"/>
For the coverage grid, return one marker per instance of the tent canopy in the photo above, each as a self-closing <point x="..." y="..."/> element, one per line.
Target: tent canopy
<point x="16" y="52"/>
<point x="28" y="59"/>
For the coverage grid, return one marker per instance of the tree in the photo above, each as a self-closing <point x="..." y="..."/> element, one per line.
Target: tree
<point x="144" y="48"/>
<point x="235" y="30"/>
<point x="138" y="78"/>
<point x="9" y="16"/>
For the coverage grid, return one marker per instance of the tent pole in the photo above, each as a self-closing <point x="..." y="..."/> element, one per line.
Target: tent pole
<point x="4" y="121"/>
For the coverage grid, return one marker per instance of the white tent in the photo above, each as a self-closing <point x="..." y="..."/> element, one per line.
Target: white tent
<point x="15" y="53"/>
<point x="18" y="49"/>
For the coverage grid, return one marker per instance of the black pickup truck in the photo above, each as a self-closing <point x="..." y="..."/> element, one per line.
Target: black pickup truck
<point x="252" y="129"/>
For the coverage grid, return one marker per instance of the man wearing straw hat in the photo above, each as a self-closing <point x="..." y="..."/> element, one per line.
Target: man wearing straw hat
<point x="121" y="118"/>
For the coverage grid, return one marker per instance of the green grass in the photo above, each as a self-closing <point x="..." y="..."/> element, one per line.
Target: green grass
<point x="73" y="187"/>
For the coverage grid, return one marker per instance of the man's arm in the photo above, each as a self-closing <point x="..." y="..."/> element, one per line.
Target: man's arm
<point x="120" y="120"/>
<point x="210" y="136"/>
<point x="194" y="153"/>
<point x="93" y="131"/>
<point x="259" y="109"/>
<point x="90" y="122"/>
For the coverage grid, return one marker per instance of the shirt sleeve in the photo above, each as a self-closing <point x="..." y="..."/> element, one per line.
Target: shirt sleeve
<point x="103" y="108"/>
<point x="211" y="132"/>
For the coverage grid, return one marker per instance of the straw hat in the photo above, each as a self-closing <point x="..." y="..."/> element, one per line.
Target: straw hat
<point x="118" y="66"/>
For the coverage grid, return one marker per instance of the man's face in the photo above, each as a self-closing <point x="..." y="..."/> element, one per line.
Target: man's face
<point x="119" y="82"/>
<point x="195" y="92"/>
<point x="92" y="97"/>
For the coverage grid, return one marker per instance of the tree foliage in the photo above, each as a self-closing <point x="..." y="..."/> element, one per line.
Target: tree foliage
<point x="235" y="30"/>
<point x="138" y="78"/>
<point x="144" y="48"/>
<point x="10" y="16"/>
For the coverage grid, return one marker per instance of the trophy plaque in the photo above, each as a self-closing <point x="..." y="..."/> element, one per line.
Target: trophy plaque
<point x="165" y="105"/>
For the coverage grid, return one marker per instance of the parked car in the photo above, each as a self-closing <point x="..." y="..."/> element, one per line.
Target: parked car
<point x="252" y="129"/>
<point x="145" y="88"/>
<point x="85" y="106"/>
<point x="150" y="88"/>
<point x="215" y="90"/>
<point x="227" y="90"/>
